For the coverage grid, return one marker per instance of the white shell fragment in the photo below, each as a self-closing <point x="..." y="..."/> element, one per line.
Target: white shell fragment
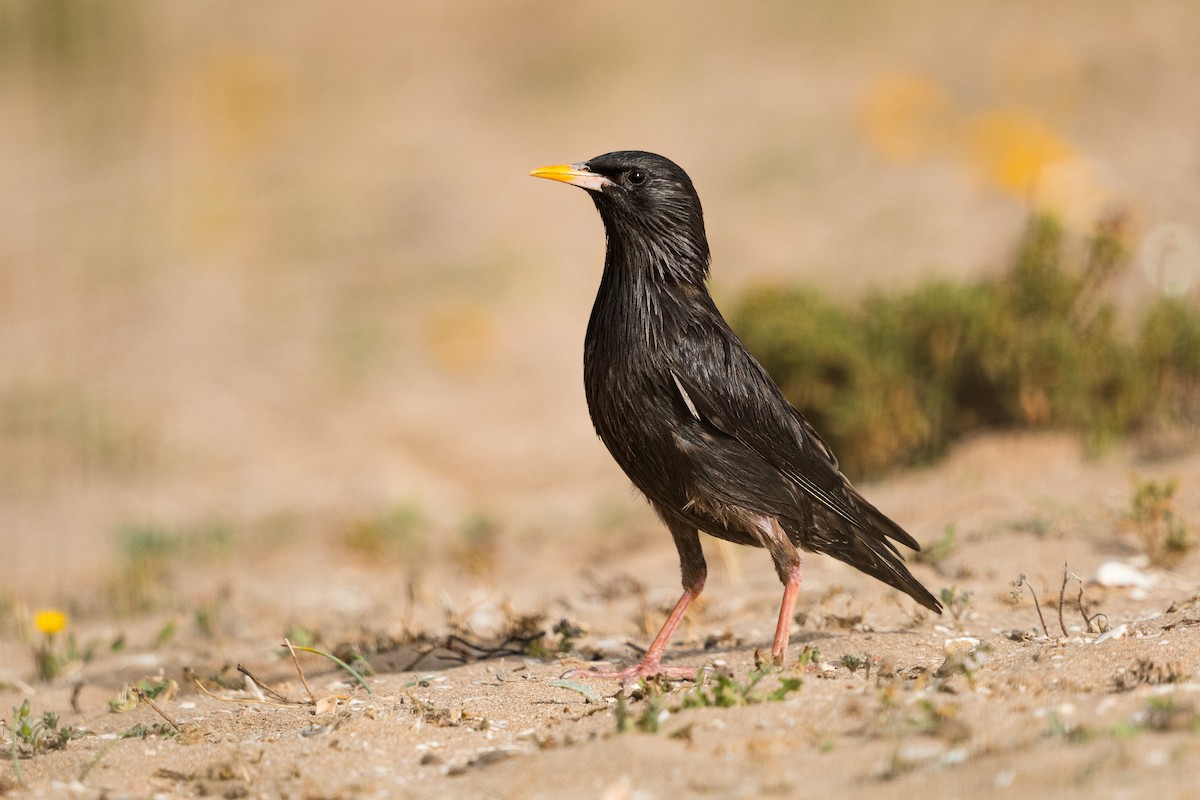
<point x="1118" y="573"/>
<point x="1119" y="632"/>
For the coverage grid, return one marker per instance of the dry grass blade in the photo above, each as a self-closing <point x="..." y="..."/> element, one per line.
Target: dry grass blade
<point x="241" y="700"/>
<point x="1062" y="593"/>
<point x="362" y="681"/>
<point x="589" y="694"/>
<point x="312" y="698"/>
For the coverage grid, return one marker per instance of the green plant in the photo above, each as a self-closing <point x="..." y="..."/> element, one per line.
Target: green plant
<point x="162" y="730"/>
<point x="32" y="737"/>
<point x="893" y="379"/>
<point x="154" y="688"/>
<point x="855" y="663"/>
<point x="956" y="602"/>
<point x="567" y="632"/>
<point x="301" y="636"/>
<point x="166" y="633"/>
<point x="711" y="691"/>
<point x="1153" y="515"/>
<point x="724" y="691"/>
<point x="1169" y="345"/>
<point x="56" y="648"/>
<point x="1169" y="714"/>
<point x="150" y="551"/>
<point x="809" y="656"/>
<point x="207" y="616"/>
<point x="937" y="552"/>
<point x="651" y="717"/>
<point x="396" y="531"/>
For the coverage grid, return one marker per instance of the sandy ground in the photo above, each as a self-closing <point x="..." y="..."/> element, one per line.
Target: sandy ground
<point x="1025" y="715"/>
<point x="276" y="289"/>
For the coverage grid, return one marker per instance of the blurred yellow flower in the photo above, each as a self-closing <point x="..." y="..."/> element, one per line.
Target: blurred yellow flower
<point x="50" y="621"/>
<point x="906" y="117"/>
<point x="247" y="97"/>
<point x="1012" y="150"/>
<point x="460" y="336"/>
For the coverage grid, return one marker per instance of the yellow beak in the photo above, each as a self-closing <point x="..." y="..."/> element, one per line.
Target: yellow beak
<point x="574" y="174"/>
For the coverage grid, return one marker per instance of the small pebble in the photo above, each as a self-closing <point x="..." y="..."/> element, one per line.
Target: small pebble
<point x="918" y="751"/>
<point x="963" y="645"/>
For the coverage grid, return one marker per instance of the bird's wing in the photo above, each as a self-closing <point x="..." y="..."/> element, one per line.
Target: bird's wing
<point x="723" y="386"/>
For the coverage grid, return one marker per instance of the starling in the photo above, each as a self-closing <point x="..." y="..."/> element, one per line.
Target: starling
<point x="693" y="419"/>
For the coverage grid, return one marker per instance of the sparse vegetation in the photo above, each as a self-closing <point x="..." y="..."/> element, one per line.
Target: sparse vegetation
<point x="281" y="269"/>
<point x="1163" y="714"/>
<point x="567" y="632"/>
<point x="395" y="532"/>
<point x="894" y="379"/>
<point x="150" y="552"/>
<point x="54" y="647"/>
<point x="32" y="736"/>
<point x="1093" y="622"/>
<point x="155" y="688"/>
<point x="724" y="691"/>
<point x="1154" y="516"/>
<point x="478" y="538"/>
<point x="957" y="602"/>
<point x="934" y="553"/>
<point x="712" y="690"/>
<point x="855" y="663"/>
<point x="810" y="655"/>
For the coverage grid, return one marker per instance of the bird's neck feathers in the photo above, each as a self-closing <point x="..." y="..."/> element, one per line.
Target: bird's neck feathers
<point x="647" y="273"/>
<point x="667" y="248"/>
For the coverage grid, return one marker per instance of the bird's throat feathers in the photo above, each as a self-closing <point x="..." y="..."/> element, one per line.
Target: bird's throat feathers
<point x="663" y="248"/>
<point x="644" y="275"/>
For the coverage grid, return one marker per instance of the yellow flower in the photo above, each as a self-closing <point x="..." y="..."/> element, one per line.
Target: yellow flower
<point x="50" y="621"/>
<point x="1013" y="150"/>
<point x="907" y="117"/>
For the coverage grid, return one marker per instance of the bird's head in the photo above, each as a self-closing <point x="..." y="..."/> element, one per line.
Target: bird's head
<point x="647" y="203"/>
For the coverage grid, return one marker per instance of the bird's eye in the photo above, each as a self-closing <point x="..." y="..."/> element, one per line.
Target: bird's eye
<point x="637" y="177"/>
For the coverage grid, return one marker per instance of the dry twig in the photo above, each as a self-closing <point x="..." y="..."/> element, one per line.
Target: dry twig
<point x="312" y="698"/>
<point x="145" y="698"/>
<point x="266" y="689"/>
<point x="1023" y="581"/>
<point x="1062" y="592"/>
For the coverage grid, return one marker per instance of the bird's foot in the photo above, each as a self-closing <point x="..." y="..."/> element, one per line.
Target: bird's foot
<point x="642" y="669"/>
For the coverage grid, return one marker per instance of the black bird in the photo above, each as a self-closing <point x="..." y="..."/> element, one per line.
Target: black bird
<point x="693" y="419"/>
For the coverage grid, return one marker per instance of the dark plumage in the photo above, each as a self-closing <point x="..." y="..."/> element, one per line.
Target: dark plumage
<point x="689" y="415"/>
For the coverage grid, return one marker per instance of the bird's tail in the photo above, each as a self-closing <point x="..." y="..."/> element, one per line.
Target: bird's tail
<point x="866" y="547"/>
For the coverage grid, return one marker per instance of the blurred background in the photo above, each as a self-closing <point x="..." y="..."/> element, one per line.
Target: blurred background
<point x="275" y="273"/>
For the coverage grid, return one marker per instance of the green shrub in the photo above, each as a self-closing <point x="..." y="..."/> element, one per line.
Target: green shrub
<point x="893" y="379"/>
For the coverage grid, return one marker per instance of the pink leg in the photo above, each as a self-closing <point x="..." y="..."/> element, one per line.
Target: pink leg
<point x="651" y="663"/>
<point x="783" y="628"/>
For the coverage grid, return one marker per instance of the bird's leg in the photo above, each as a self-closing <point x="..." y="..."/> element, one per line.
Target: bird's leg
<point x="651" y="663"/>
<point x="694" y="569"/>
<point x="783" y="628"/>
<point x="791" y="573"/>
